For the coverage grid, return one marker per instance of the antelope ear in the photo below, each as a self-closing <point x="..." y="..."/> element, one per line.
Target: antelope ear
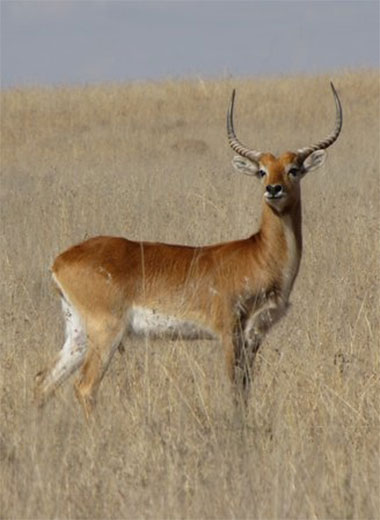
<point x="246" y="166"/>
<point x="314" y="160"/>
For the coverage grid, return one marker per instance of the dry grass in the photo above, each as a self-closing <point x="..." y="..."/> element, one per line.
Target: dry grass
<point x="151" y="161"/>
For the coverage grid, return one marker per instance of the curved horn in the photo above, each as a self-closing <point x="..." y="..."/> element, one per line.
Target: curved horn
<point x="304" y="152"/>
<point x="235" y="144"/>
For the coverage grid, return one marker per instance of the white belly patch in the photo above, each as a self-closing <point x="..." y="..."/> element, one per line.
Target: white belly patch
<point x="149" y="322"/>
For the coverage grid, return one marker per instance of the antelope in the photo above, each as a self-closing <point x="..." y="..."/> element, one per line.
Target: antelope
<point x="111" y="287"/>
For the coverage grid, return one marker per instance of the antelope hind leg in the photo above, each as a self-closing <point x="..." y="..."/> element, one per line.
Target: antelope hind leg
<point x="101" y="347"/>
<point x="67" y="361"/>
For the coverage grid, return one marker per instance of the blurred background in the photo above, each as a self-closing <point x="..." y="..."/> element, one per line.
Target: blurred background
<point x="76" y="42"/>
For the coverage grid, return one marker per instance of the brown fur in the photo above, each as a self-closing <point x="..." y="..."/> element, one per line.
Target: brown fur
<point x="235" y="290"/>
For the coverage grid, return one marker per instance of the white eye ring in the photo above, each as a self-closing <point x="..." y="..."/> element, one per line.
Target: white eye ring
<point x="261" y="173"/>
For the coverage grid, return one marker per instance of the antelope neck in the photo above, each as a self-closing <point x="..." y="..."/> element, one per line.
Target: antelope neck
<point x="274" y="225"/>
<point x="281" y="237"/>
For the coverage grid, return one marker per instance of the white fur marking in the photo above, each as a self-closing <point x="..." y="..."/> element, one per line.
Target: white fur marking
<point x="74" y="349"/>
<point x="148" y="322"/>
<point x="105" y="273"/>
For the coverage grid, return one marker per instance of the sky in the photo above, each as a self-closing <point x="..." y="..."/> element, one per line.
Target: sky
<point x="54" y="42"/>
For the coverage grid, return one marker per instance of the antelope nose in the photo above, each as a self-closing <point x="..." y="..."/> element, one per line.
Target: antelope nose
<point x="274" y="189"/>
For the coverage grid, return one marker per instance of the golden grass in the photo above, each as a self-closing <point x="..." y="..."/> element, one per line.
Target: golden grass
<point x="151" y="161"/>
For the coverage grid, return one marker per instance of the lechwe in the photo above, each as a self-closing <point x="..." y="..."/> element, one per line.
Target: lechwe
<point x="234" y="292"/>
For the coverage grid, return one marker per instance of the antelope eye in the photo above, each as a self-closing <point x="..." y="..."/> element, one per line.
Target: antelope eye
<point x="293" y="171"/>
<point x="261" y="173"/>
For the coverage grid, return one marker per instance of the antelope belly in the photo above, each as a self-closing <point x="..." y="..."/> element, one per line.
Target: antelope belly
<point x="149" y="322"/>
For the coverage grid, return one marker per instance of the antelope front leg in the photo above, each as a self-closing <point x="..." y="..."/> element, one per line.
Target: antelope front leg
<point x="240" y="353"/>
<point x="247" y="340"/>
<point x="245" y="352"/>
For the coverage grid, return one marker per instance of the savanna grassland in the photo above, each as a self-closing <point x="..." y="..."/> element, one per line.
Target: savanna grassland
<point x="151" y="161"/>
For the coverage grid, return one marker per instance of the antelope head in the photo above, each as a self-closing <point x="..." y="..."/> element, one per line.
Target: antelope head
<point x="281" y="175"/>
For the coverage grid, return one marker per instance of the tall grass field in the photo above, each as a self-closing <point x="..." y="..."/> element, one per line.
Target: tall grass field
<point x="150" y="161"/>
